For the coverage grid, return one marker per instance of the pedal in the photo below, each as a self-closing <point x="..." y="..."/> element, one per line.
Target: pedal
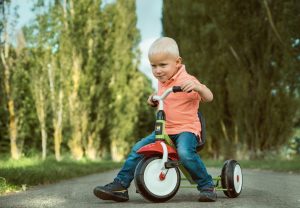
<point x="172" y="164"/>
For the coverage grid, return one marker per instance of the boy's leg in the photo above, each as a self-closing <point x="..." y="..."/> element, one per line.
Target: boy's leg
<point x="126" y="174"/>
<point x="117" y="190"/>
<point x="186" y="144"/>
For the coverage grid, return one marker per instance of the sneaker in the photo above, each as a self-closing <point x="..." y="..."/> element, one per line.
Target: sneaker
<point x="208" y="195"/>
<point x="112" y="191"/>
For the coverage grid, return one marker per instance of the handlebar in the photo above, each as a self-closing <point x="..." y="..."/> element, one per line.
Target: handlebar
<point x="156" y="99"/>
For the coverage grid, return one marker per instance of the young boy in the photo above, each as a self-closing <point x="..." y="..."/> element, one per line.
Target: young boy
<point x="182" y="123"/>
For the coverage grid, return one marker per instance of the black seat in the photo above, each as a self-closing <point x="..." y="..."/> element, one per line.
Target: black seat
<point x="202" y="137"/>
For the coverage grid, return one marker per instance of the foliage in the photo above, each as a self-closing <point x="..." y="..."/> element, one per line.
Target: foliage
<point x="77" y="86"/>
<point x="244" y="52"/>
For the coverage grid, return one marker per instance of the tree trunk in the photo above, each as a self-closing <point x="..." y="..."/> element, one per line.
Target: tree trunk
<point x="116" y="152"/>
<point x="13" y="130"/>
<point x="57" y="123"/>
<point x="91" y="151"/>
<point x="40" y="105"/>
<point x="75" y="114"/>
<point x="57" y="109"/>
<point x="44" y="140"/>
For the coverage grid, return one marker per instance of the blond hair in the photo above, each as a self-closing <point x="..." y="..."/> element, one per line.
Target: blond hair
<point x="164" y="45"/>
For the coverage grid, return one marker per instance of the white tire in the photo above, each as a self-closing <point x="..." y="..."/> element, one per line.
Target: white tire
<point x="149" y="183"/>
<point x="232" y="178"/>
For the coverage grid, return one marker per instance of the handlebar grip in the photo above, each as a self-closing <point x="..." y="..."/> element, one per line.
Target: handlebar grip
<point x="178" y="89"/>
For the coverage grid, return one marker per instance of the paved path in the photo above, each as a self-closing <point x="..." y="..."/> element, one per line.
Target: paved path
<point x="261" y="189"/>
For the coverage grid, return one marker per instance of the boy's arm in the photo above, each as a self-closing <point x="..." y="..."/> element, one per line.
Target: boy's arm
<point x="204" y="92"/>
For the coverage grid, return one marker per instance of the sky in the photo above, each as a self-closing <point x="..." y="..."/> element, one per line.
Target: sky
<point x="149" y="14"/>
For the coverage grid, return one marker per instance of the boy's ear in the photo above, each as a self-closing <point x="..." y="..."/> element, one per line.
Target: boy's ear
<point x="178" y="61"/>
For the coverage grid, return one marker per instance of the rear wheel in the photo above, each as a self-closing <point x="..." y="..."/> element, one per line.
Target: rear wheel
<point x="232" y="178"/>
<point x="152" y="183"/>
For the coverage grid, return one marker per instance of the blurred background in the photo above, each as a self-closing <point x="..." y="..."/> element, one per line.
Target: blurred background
<point x="74" y="75"/>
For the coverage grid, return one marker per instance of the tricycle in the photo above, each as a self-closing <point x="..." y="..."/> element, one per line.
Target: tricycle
<point x="158" y="175"/>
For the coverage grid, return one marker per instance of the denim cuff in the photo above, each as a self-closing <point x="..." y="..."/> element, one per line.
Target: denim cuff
<point x="208" y="186"/>
<point x="120" y="182"/>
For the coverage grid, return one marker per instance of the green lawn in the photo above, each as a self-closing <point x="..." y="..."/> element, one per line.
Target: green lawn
<point x="26" y="172"/>
<point x="275" y="165"/>
<point x="17" y="175"/>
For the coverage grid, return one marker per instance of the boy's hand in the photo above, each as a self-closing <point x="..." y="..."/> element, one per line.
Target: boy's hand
<point x="190" y="85"/>
<point x="204" y="92"/>
<point x="151" y="102"/>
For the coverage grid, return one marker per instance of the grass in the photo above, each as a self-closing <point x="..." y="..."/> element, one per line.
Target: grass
<point x="26" y="172"/>
<point x="274" y="165"/>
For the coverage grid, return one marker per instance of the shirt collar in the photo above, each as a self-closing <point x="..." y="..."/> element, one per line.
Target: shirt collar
<point x="175" y="76"/>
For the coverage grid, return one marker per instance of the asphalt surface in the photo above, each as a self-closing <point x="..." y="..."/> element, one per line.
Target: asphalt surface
<point x="260" y="189"/>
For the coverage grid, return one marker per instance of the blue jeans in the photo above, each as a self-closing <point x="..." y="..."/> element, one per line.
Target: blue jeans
<point x="186" y="144"/>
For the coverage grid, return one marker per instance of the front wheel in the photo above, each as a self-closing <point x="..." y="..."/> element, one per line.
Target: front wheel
<point x="151" y="184"/>
<point x="232" y="178"/>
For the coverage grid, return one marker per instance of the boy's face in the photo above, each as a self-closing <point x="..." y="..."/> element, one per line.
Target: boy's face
<point x="164" y="66"/>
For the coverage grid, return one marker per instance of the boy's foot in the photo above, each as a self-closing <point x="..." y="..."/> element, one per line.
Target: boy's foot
<point x="208" y="195"/>
<point x="112" y="191"/>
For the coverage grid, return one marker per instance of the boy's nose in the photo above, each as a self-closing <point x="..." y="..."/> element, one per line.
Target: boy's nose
<point x="157" y="70"/>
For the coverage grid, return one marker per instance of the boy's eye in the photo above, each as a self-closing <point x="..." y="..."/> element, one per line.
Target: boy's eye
<point x="162" y="65"/>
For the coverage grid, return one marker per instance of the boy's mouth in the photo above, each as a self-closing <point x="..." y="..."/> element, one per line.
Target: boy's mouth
<point x="160" y="77"/>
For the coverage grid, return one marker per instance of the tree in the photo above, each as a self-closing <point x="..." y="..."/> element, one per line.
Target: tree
<point x="125" y="81"/>
<point x="76" y="78"/>
<point x="8" y="65"/>
<point x="243" y="52"/>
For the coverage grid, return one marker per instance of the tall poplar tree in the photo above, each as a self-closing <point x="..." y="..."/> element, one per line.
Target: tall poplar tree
<point x="7" y="66"/>
<point x="125" y="83"/>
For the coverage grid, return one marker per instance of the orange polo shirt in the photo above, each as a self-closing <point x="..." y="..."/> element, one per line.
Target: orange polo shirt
<point x="181" y="108"/>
